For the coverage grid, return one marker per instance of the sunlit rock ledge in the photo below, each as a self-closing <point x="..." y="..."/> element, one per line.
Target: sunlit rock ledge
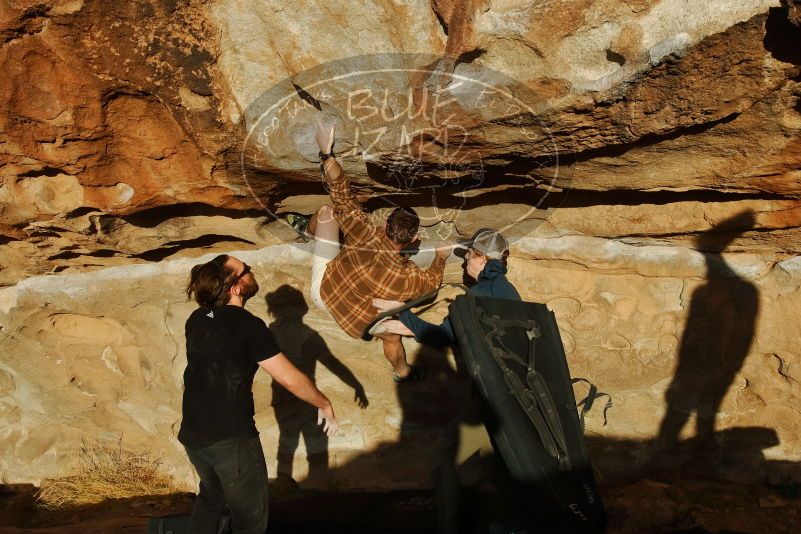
<point x="99" y="356"/>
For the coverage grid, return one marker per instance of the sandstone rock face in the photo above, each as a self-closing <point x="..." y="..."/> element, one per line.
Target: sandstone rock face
<point x="675" y="66"/>
<point x="108" y="118"/>
<point x="643" y="156"/>
<point x="102" y="113"/>
<point x="100" y="356"/>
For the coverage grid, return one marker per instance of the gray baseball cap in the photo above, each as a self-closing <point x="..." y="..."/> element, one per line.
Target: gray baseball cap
<point x="487" y="241"/>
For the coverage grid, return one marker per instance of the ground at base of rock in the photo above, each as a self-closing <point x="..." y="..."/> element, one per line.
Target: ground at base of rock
<point x="679" y="506"/>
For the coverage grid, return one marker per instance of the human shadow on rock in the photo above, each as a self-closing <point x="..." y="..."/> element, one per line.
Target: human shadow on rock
<point x="717" y="337"/>
<point x="424" y="408"/>
<point x="304" y="347"/>
<point x="432" y="403"/>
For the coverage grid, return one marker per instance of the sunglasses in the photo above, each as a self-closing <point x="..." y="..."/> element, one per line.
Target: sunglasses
<point x="223" y="286"/>
<point x="245" y="271"/>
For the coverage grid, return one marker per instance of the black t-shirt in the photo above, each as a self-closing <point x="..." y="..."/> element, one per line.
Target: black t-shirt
<point x="223" y="348"/>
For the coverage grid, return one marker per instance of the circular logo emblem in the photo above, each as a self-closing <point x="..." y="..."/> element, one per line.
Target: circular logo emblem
<point x="411" y="130"/>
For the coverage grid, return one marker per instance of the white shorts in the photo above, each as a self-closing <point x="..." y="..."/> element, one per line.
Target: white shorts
<point x="322" y="253"/>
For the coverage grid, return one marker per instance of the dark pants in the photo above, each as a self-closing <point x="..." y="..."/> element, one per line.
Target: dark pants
<point x="234" y="472"/>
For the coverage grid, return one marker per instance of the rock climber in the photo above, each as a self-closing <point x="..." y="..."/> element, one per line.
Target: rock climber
<point x="346" y="278"/>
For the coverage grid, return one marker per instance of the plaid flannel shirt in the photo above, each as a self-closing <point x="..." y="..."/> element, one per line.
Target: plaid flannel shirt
<point x="368" y="267"/>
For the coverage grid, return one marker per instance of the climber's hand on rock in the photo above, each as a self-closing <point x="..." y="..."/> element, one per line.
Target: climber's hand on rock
<point x="324" y="135"/>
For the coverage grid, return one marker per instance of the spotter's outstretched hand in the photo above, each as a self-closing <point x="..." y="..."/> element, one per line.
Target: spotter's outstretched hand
<point x="394" y="326"/>
<point x="384" y="305"/>
<point x="326" y="417"/>
<point x="444" y="249"/>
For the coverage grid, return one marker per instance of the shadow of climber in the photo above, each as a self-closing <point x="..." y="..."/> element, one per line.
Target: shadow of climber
<point x="304" y="347"/>
<point x="719" y="332"/>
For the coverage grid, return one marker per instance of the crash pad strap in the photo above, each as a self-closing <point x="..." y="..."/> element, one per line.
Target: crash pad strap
<point x="587" y="402"/>
<point x="535" y="399"/>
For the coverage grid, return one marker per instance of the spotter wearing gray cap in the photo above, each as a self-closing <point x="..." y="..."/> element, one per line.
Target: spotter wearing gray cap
<point x="487" y="241"/>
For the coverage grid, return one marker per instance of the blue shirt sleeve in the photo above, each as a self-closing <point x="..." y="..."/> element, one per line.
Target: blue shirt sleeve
<point x="428" y="333"/>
